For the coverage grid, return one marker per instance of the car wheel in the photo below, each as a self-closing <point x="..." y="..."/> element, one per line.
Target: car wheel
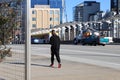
<point x="83" y="43"/>
<point x="75" y="41"/>
<point x="103" y="44"/>
<point x="94" y="43"/>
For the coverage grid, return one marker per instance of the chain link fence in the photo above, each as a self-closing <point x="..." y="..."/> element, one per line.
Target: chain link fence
<point x="12" y="40"/>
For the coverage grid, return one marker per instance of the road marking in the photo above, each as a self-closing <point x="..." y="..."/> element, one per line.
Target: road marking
<point x="90" y="52"/>
<point x="79" y="51"/>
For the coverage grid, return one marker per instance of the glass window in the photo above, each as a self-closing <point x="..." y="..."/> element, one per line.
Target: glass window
<point x="55" y="3"/>
<point x="57" y="19"/>
<point x="40" y="2"/>
<point x="34" y="25"/>
<point x="33" y="12"/>
<point x="19" y="14"/>
<point x="115" y="3"/>
<point x="51" y="12"/>
<point x="88" y="4"/>
<point x="33" y="19"/>
<point x="56" y="12"/>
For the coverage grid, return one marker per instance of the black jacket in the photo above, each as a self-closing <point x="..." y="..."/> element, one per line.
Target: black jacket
<point x="55" y="42"/>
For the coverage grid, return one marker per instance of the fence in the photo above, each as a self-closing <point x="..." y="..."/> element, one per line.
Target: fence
<point x="12" y="66"/>
<point x="14" y="40"/>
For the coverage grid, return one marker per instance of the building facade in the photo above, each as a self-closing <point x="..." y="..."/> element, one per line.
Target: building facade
<point x="52" y="3"/>
<point x="39" y="2"/>
<point x="44" y="17"/>
<point x="83" y="11"/>
<point x="115" y="5"/>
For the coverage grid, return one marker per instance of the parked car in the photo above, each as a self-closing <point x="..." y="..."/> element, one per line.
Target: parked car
<point x="92" y="38"/>
<point x="37" y="41"/>
<point x="77" y="39"/>
<point x="106" y="40"/>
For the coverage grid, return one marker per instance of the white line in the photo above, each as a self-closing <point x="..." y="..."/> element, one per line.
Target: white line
<point x="74" y="51"/>
<point x="90" y="52"/>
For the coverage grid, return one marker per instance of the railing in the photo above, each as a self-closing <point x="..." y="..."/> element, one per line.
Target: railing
<point x="12" y="62"/>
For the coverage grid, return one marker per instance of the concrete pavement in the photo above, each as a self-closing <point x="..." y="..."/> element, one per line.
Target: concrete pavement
<point x="70" y="71"/>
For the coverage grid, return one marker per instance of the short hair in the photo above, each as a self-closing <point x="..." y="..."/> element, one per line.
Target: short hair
<point x="53" y="31"/>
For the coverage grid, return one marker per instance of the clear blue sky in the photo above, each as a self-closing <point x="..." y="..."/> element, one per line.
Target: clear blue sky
<point x="104" y="5"/>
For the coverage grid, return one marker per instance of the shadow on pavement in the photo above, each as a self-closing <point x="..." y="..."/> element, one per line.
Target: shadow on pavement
<point x="2" y="79"/>
<point x="40" y="65"/>
<point x="20" y="63"/>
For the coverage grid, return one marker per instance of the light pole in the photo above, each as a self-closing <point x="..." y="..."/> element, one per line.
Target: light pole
<point x="27" y="41"/>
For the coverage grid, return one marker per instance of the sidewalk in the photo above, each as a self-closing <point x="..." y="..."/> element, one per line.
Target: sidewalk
<point x="40" y="70"/>
<point x="70" y="71"/>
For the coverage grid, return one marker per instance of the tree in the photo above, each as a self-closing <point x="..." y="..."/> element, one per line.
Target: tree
<point x="8" y="20"/>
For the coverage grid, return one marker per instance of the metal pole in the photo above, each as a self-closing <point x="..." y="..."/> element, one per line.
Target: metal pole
<point x="27" y="41"/>
<point x="63" y="9"/>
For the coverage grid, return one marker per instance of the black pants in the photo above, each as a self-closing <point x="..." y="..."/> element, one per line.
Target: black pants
<point x="56" y="53"/>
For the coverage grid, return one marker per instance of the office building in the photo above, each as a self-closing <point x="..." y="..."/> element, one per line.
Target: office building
<point x="83" y="11"/>
<point x="115" y="5"/>
<point x="45" y="17"/>
<point x="52" y="3"/>
<point x="39" y="2"/>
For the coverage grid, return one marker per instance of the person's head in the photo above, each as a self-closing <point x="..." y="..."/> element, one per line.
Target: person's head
<point x="53" y="32"/>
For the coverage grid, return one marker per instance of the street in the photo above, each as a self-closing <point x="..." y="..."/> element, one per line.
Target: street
<point x="78" y="63"/>
<point x="103" y="56"/>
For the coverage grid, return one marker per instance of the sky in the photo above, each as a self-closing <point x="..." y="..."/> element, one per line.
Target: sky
<point x="104" y="6"/>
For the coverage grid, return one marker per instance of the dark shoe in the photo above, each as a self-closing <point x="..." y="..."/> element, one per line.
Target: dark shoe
<point x="59" y="65"/>
<point x="51" y="65"/>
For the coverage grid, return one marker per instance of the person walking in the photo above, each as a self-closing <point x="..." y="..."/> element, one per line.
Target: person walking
<point x="55" y="47"/>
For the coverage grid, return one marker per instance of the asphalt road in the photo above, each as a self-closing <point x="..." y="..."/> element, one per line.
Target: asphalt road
<point x="104" y="56"/>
